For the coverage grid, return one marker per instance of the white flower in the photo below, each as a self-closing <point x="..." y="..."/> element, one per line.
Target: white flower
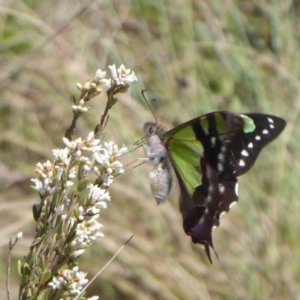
<point x="126" y="75"/>
<point x="72" y="281"/>
<point x="19" y="235"/>
<point x="108" y="180"/>
<point x="122" y="151"/>
<point x="79" y="86"/>
<point x="97" y="194"/>
<point x="59" y="172"/>
<point x="113" y="71"/>
<point x="81" y="108"/>
<point x="38" y="185"/>
<point x="99" y="234"/>
<point x="61" y="155"/>
<point x="84" y="159"/>
<point x="81" y="280"/>
<point x="53" y="190"/>
<point x="106" y="84"/>
<point x="100" y="75"/>
<point x="90" y="136"/>
<point x="101" y="204"/>
<point x="92" y="211"/>
<point x="109" y="147"/>
<point x="122" y="75"/>
<point x="55" y="283"/>
<point x="117" y="167"/>
<point x="72" y="174"/>
<point x="60" y="209"/>
<point x="101" y="159"/>
<point x="72" y="144"/>
<point x="77" y="253"/>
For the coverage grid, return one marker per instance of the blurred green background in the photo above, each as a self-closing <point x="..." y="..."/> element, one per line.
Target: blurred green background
<point x="194" y="57"/>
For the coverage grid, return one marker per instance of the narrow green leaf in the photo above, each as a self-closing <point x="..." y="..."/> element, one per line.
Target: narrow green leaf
<point x="96" y="128"/>
<point x="26" y="269"/>
<point x="80" y="173"/>
<point x="46" y="276"/>
<point x="82" y="185"/>
<point x="54" y="200"/>
<point x="70" y="237"/>
<point x="60" y="225"/>
<point x="41" y="296"/>
<point x="62" y="239"/>
<point x="53" y="243"/>
<point x="42" y="263"/>
<point x="36" y="241"/>
<point x="36" y="211"/>
<point x="75" y="211"/>
<point x="64" y="176"/>
<point x="20" y="267"/>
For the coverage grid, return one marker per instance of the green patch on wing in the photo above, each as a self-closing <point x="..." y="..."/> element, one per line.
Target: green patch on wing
<point x="249" y="125"/>
<point x="185" y="152"/>
<point x="220" y="123"/>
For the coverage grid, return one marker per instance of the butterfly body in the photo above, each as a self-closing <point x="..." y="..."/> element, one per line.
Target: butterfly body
<point x="161" y="176"/>
<point x="207" y="154"/>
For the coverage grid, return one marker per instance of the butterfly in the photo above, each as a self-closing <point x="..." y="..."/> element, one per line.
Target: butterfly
<point x="206" y="154"/>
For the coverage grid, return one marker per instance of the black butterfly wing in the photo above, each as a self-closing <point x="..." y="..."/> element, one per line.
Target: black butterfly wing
<point x="223" y="137"/>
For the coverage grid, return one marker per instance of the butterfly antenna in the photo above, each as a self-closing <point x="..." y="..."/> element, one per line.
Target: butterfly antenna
<point x="150" y="105"/>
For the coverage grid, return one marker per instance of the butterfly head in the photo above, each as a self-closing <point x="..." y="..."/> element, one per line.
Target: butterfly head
<point x="151" y="128"/>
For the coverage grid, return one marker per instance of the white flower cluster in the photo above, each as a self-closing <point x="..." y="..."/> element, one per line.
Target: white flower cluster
<point x="105" y="164"/>
<point x="120" y="76"/>
<point x="81" y="106"/>
<point x="71" y="281"/>
<point x="87" y="229"/>
<point x="49" y="178"/>
<point x="73" y="188"/>
<point x="100" y="159"/>
<point x="119" y="82"/>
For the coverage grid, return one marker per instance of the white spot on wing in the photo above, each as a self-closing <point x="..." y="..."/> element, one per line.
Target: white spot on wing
<point x="220" y="167"/>
<point x="221" y="188"/>
<point x="222" y="214"/>
<point x="265" y="131"/>
<point x="258" y="138"/>
<point x="236" y="189"/>
<point x="201" y="220"/>
<point x="242" y="163"/>
<point x="272" y="126"/>
<point x="250" y="145"/>
<point x="232" y="204"/>
<point x="213" y="141"/>
<point x="245" y="152"/>
<point x="270" y="120"/>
